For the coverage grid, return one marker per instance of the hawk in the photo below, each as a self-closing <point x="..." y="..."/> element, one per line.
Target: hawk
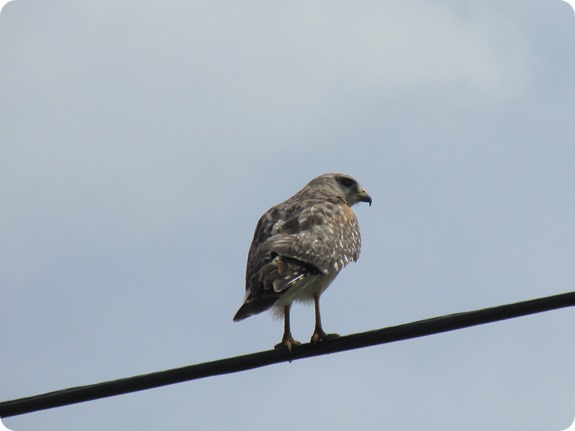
<point x="299" y="247"/>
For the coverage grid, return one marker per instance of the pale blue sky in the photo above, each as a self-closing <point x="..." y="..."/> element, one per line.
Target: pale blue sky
<point x="141" y="141"/>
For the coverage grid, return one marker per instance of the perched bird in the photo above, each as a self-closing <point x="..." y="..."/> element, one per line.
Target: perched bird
<point x="299" y="247"/>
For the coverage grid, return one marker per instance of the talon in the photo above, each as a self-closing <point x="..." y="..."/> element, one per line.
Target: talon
<point x="319" y="334"/>
<point x="287" y="340"/>
<point x="287" y="343"/>
<point x="322" y="336"/>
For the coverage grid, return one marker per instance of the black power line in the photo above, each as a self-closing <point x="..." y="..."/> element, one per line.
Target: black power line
<point x="246" y="362"/>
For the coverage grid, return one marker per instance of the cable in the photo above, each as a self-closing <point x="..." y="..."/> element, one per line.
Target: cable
<point x="255" y="360"/>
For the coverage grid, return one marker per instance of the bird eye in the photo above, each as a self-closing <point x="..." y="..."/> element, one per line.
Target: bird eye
<point x="346" y="182"/>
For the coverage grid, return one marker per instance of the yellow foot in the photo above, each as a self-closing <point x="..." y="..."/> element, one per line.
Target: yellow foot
<point x="322" y="336"/>
<point x="287" y="343"/>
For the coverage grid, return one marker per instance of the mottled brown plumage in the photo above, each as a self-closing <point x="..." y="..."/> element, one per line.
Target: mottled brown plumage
<point x="300" y="246"/>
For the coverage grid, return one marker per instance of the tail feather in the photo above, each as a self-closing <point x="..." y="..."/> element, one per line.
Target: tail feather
<point x="251" y="307"/>
<point x="271" y="281"/>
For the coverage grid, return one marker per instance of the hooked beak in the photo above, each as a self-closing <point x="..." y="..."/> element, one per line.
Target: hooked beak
<point x="364" y="197"/>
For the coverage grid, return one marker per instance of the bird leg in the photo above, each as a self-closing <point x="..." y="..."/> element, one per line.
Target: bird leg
<point x="319" y="334"/>
<point x="287" y="340"/>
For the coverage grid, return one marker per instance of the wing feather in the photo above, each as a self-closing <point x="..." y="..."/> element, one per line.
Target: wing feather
<point x="294" y="240"/>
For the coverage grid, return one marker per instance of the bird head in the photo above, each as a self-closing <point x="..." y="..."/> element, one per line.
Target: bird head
<point x="342" y="186"/>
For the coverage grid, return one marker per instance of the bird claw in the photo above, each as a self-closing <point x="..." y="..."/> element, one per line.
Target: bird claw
<point x="322" y="336"/>
<point x="287" y="343"/>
